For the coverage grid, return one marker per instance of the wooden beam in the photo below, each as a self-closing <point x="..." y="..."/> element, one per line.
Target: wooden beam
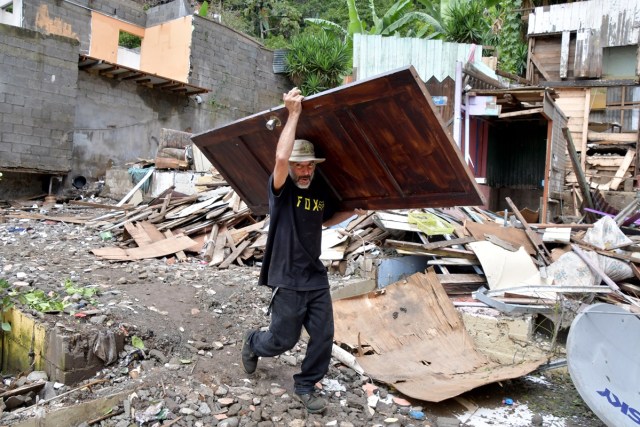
<point x="513" y="77"/>
<point x="585" y="127"/>
<point x="564" y="54"/>
<point x="540" y="68"/>
<point x="232" y="257"/>
<point x="521" y="113"/>
<point x="613" y="137"/>
<point x="138" y="185"/>
<point x="628" y="158"/>
<point x="534" y="237"/>
<point x="100" y="205"/>
<point x="592" y="83"/>
<point x="582" y="181"/>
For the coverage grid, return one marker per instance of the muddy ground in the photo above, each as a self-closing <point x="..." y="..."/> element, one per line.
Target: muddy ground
<point x="191" y="317"/>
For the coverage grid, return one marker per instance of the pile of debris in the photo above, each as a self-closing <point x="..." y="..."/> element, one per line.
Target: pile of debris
<point x="479" y="258"/>
<point x="216" y="227"/>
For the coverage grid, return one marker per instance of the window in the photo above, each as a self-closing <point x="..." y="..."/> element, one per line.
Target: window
<point x="622" y="108"/>
<point x="129" y="40"/>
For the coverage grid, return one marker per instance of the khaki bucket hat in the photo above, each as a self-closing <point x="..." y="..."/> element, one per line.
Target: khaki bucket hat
<point x="303" y="151"/>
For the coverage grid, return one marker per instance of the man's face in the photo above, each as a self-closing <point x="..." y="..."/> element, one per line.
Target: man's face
<point x="302" y="173"/>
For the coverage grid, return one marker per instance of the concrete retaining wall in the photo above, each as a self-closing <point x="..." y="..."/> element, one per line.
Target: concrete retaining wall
<point x="66" y="357"/>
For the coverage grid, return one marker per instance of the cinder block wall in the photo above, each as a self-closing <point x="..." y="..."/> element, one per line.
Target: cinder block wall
<point x="168" y="11"/>
<point x="237" y="69"/>
<point x="38" y="77"/>
<point x="113" y="123"/>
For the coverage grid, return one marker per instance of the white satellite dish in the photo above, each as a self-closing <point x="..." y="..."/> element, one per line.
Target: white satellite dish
<point x="603" y="355"/>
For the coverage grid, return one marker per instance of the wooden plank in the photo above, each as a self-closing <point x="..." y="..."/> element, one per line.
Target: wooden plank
<point x="539" y="67"/>
<point x="582" y="181"/>
<point x="585" y="127"/>
<point x="564" y="54"/>
<point x="447" y="243"/>
<point x="240" y="234"/>
<point x="170" y="163"/>
<point x="511" y="235"/>
<point x="136" y="187"/>
<point x="218" y="249"/>
<point x="360" y="222"/>
<point x="154" y="234"/>
<point x="608" y="161"/>
<point x="138" y="234"/>
<point x="418" y="248"/>
<point x="100" y="205"/>
<point x="520" y="113"/>
<point x="614" y="137"/>
<point x="581" y="57"/>
<point x="628" y="158"/>
<point x="499" y="242"/>
<point x="182" y="257"/>
<point x="153" y="250"/>
<point x="232" y="257"/>
<point x="450" y="279"/>
<point x="210" y="244"/>
<point x="69" y="219"/>
<point x="535" y="239"/>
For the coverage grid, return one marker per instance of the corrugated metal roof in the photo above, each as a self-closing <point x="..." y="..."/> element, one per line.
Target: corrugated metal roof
<point x="374" y="54"/>
<point x="617" y="20"/>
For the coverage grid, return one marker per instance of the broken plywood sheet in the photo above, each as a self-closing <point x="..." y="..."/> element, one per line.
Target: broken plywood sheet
<point x="505" y="269"/>
<point x="153" y="250"/>
<point x="512" y="235"/>
<point x="419" y="344"/>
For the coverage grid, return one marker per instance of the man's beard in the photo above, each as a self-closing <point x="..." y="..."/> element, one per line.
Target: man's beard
<point x="296" y="180"/>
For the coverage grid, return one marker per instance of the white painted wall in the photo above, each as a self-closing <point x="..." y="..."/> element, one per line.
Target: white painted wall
<point x="15" y="18"/>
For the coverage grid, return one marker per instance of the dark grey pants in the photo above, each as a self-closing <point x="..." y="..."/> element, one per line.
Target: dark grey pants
<point x="290" y="311"/>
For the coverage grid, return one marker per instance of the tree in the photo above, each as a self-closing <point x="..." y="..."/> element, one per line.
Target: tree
<point x="398" y="17"/>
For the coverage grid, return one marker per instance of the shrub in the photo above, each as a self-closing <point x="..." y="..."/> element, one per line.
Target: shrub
<point x="317" y="62"/>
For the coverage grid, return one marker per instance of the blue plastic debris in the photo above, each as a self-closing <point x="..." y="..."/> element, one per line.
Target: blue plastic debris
<point x="416" y="415"/>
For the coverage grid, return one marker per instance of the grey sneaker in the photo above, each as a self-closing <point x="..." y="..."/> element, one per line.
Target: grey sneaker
<point x="313" y="402"/>
<point x="249" y="358"/>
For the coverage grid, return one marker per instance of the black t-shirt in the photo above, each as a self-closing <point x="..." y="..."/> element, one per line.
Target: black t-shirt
<point x="292" y="253"/>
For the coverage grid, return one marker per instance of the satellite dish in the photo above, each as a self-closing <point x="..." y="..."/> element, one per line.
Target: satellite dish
<point x="603" y="355"/>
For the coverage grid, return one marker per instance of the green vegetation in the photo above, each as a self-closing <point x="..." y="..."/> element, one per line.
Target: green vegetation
<point x="466" y="22"/>
<point x="5" y="303"/>
<point x="317" y="62"/>
<point x="278" y="23"/>
<point x="129" y="40"/>
<point x="44" y="302"/>
<point x="204" y="9"/>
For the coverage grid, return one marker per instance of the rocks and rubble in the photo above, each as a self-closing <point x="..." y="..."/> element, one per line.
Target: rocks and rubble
<point x="190" y="317"/>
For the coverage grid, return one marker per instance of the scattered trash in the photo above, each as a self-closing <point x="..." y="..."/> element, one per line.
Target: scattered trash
<point x="106" y="235"/>
<point x="417" y="415"/>
<point x="508" y="401"/>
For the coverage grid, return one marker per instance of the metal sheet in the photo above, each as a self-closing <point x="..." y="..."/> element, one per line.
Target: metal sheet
<point x="386" y="147"/>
